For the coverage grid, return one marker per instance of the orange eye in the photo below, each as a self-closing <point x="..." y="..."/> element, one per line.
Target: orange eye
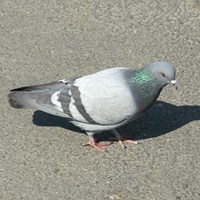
<point x="163" y="74"/>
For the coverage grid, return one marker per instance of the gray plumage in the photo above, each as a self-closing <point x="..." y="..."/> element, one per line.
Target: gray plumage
<point x="101" y="101"/>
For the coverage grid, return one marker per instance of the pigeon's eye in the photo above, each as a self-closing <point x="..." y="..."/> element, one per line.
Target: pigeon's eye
<point x="163" y="74"/>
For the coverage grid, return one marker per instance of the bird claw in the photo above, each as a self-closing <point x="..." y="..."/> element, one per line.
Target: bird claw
<point x="121" y="140"/>
<point x="97" y="146"/>
<point x="122" y="143"/>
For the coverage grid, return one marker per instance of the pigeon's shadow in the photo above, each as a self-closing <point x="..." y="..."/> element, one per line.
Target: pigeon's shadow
<point x="160" y="119"/>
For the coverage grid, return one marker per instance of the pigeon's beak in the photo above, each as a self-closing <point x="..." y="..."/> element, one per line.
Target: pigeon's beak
<point x="173" y="82"/>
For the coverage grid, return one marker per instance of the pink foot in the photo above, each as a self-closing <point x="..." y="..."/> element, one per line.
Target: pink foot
<point x="122" y="142"/>
<point x="97" y="146"/>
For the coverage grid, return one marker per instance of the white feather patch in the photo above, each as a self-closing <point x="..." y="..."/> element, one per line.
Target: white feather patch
<point x="54" y="100"/>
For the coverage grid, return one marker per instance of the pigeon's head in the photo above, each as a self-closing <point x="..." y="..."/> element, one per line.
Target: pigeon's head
<point x="163" y="72"/>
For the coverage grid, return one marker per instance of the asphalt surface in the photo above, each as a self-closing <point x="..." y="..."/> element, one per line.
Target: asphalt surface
<point x="41" y="156"/>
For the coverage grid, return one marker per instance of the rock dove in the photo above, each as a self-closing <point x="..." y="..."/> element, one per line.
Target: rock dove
<point x="102" y="101"/>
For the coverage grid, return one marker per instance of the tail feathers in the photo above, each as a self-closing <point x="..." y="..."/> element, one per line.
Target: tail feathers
<point x="26" y="97"/>
<point x="20" y="100"/>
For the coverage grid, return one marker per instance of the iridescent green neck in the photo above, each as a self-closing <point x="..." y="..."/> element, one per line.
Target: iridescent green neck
<point x="142" y="77"/>
<point x="145" y="86"/>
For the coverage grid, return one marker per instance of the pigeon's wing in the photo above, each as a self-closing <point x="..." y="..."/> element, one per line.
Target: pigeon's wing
<point x="103" y="98"/>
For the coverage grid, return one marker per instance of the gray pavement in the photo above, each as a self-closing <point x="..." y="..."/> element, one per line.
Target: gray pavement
<point x="41" y="156"/>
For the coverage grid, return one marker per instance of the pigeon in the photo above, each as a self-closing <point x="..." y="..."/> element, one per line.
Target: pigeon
<point x="105" y="100"/>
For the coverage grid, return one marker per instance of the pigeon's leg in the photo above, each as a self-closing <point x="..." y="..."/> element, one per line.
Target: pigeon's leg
<point x="94" y="144"/>
<point x="121" y="141"/>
